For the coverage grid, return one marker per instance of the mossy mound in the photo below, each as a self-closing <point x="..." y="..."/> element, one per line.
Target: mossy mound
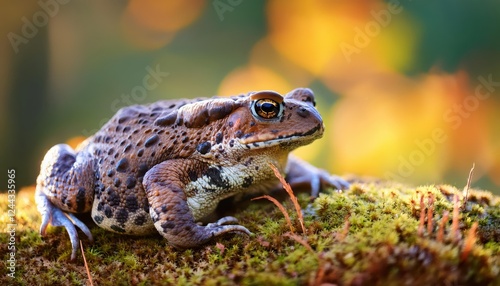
<point x="373" y="234"/>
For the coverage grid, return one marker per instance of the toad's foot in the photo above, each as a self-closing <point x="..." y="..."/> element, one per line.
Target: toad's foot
<point x="56" y="217"/>
<point x="301" y="173"/>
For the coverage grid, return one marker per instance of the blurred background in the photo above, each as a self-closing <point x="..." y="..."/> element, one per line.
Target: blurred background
<point x="409" y="90"/>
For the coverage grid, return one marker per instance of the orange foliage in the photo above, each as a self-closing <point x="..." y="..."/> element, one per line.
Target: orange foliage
<point x="151" y="24"/>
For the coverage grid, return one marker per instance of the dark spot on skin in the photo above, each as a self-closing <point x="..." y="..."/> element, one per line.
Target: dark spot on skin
<point x="107" y="139"/>
<point x="231" y="143"/>
<point x="166" y="120"/>
<point x="121" y="215"/>
<point x="178" y="122"/>
<point x="80" y="200"/>
<point x="142" y="169"/>
<point x="111" y="151"/>
<point x="139" y="220"/>
<point x="303" y="112"/>
<point x="248" y="162"/>
<point x="167" y="226"/>
<point x="199" y="120"/>
<point x="231" y="124"/>
<point x="204" y="147"/>
<point x="127" y="148"/>
<point x="158" y="211"/>
<point x="130" y="182"/>
<point x="238" y="134"/>
<point x="108" y="212"/>
<point x="131" y="203"/>
<point x="215" y="177"/>
<point x="193" y="176"/>
<point x="153" y="154"/>
<point x="164" y="208"/>
<point x="113" y="197"/>
<point x="118" y="128"/>
<point x="218" y="138"/>
<point x="151" y="140"/>
<point x="122" y="165"/>
<point x="220" y="111"/>
<point x="123" y="119"/>
<point x="248" y="135"/>
<point x="117" y="182"/>
<point x="252" y="124"/>
<point x="247" y="182"/>
<point x="126" y="129"/>
<point x="100" y="206"/>
<point x="117" y="228"/>
<point x="185" y="139"/>
<point x="188" y="228"/>
<point x="98" y="219"/>
<point x="140" y="152"/>
<point x="255" y="144"/>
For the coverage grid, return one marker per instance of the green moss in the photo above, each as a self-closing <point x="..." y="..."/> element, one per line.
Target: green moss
<point x="380" y="246"/>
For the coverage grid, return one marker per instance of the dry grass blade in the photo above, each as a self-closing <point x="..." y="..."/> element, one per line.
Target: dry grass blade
<point x="430" y="214"/>
<point x="455" y="231"/>
<point x="466" y="190"/>
<point x="86" y="265"/>
<point x="469" y="241"/>
<point x="422" y="217"/>
<point x="442" y="225"/>
<point x="289" y="190"/>
<point x="301" y="241"/>
<point x="345" y="230"/>
<point x="322" y="264"/>
<point x="280" y="206"/>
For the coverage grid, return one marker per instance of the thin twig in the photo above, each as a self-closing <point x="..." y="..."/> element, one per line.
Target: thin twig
<point x="86" y="265"/>
<point x="289" y="190"/>
<point x="466" y="191"/>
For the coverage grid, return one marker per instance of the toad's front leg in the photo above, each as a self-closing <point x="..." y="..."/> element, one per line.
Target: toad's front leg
<point x="170" y="212"/>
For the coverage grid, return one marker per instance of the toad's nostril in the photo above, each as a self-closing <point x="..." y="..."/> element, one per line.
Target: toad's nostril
<point x="303" y="112"/>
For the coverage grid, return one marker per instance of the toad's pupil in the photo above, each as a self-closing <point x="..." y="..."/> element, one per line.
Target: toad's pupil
<point x="267" y="107"/>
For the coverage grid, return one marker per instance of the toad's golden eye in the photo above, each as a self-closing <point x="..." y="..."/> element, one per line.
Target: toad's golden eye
<point x="266" y="108"/>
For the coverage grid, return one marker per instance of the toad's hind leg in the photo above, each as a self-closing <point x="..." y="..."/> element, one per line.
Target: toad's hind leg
<point x="65" y="185"/>
<point x="170" y="212"/>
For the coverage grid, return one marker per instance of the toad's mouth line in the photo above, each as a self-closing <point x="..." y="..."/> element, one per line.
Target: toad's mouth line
<point x="263" y="141"/>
